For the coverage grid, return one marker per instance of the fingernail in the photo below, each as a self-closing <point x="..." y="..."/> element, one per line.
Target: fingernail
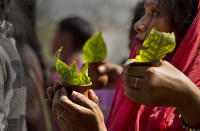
<point x="102" y="68"/>
<point x="63" y="91"/>
<point x="74" y="94"/>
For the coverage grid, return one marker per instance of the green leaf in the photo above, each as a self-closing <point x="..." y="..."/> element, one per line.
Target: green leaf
<point x="63" y="71"/>
<point x="74" y="75"/>
<point x="158" y="45"/>
<point x="85" y="69"/>
<point x="85" y="79"/>
<point x="84" y="74"/>
<point x="95" y="49"/>
<point x="70" y="75"/>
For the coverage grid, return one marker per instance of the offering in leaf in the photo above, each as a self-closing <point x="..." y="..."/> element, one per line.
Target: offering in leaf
<point x="158" y="45"/>
<point x="70" y="75"/>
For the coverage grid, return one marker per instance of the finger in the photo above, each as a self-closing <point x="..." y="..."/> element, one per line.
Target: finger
<point x="92" y="96"/>
<point x="133" y="94"/>
<point x="102" y="69"/>
<point x="57" y="96"/>
<point x="107" y="68"/>
<point x="64" y="92"/>
<point x="50" y="93"/>
<point x="60" y="113"/>
<point x="134" y="82"/>
<point x="137" y="71"/>
<point x="82" y="100"/>
<point x="63" y="118"/>
<point x="104" y="79"/>
<point x="69" y="106"/>
<point x="49" y="104"/>
<point x="57" y="86"/>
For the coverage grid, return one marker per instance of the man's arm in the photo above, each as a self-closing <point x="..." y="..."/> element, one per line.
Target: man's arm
<point x="3" y="119"/>
<point x="7" y="77"/>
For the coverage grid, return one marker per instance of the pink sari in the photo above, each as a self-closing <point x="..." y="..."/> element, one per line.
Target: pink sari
<point x="126" y="115"/>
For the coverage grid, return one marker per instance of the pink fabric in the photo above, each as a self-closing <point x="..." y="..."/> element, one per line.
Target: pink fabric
<point x="126" y="115"/>
<point x="105" y="100"/>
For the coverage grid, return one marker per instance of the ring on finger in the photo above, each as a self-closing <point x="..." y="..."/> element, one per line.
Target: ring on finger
<point x="136" y="82"/>
<point x="59" y="116"/>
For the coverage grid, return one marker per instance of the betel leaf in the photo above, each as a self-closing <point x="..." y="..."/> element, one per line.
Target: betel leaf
<point x="85" y="69"/>
<point x="71" y="76"/>
<point x="63" y="70"/>
<point x="95" y="49"/>
<point x="74" y="75"/>
<point x="158" y="45"/>
<point x="84" y="74"/>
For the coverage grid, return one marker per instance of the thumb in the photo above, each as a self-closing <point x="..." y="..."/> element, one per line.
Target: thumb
<point x="82" y="100"/>
<point x="102" y="69"/>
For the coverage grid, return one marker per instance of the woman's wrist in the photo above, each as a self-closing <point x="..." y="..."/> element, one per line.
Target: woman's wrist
<point x="186" y="126"/>
<point x="189" y="106"/>
<point x="103" y="128"/>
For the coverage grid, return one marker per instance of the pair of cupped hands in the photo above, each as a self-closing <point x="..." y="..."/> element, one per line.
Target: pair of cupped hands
<point x="160" y="84"/>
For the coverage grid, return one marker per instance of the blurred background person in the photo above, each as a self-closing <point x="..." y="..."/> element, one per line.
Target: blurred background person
<point x="15" y="80"/>
<point x="12" y="89"/>
<point x="71" y="34"/>
<point x="22" y="14"/>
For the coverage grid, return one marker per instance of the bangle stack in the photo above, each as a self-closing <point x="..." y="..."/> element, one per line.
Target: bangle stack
<point x="186" y="126"/>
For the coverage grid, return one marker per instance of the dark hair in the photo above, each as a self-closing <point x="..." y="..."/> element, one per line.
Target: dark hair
<point x="22" y="15"/>
<point x="80" y="29"/>
<point x="181" y="13"/>
<point x="3" y="5"/>
<point x="138" y="12"/>
<point x="28" y="7"/>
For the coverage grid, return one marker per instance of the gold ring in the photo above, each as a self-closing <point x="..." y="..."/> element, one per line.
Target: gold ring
<point x="136" y="82"/>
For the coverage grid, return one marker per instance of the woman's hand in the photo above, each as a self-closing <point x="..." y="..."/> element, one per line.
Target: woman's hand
<point x="81" y="114"/>
<point x="162" y="85"/>
<point x="104" y="75"/>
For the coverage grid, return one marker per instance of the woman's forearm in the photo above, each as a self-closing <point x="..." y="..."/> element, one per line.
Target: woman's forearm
<point x="190" y="107"/>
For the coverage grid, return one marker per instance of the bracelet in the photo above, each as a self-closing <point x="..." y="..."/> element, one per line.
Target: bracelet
<point x="186" y="126"/>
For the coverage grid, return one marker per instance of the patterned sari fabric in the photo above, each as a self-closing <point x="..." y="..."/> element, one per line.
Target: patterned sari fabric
<point x="127" y="115"/>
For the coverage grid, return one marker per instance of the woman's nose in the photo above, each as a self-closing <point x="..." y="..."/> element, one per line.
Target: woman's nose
<point x="139" y="27"/>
